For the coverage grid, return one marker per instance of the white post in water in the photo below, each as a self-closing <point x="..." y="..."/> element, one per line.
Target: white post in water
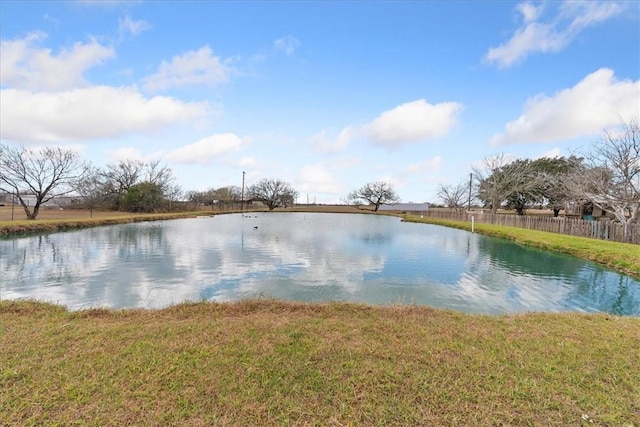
<point x="473" y="222"/>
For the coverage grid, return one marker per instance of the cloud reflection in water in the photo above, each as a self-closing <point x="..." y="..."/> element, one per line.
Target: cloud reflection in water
<point x="304" y="256"/>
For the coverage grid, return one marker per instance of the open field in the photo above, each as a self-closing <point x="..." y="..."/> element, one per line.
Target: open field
<point x="265" y="362"/>
<point x="18" y="214"/>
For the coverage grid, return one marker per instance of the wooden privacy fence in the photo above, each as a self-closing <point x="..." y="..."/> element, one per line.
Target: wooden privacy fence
<point x="600" y="229"/>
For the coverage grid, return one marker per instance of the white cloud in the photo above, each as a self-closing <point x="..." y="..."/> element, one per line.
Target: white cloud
<point x="327" y="144"/>
<point x="346" y="162"/>
<point x="429" y="166"/>
<point x="397" y="181"/>
<point x="125" y="153"/>
<point x="50" y="19"/>
<point x="246" y="162"/>
<point x="287" y="44"/>
<point x="317" y="179"/>
<point x="194" y="67"/>
<point x="127" y="25"/>
<point x="585" y="13"/>
<point x="596" y="102"/>
<point x="407" y="123"/>
<point x="89" y="113"/>
<point x="413" y="121"/>
<point x="535" y="36"/>
<point x="207" y="149"/>
<point x="529" y="11"/>
<point x="23" y="65"/>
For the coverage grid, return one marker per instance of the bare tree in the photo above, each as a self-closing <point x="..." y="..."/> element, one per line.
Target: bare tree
<point x="490" y="187"/>
<point x="230" y="193"/>
<point x="173" y="193"/>
<point x="375" y="193"/>
<point x="272" y="192"/>
<point x="45" y="174"/>
<point x="503" y="180"/>
<point x="120" y="177"/>
<point x="89" y="187"/>
<point x="160" y="175"/>
<point x="226" y="197"/>
<point x="197" y="198"/>
<point x="611" y="176"/>
<point x="454" y="196"/>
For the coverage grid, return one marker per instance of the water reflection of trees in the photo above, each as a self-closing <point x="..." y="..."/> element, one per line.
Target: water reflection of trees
<point x="374" y="238"/>
<point x="607" y="291"/>
<point x="588" y="285"/>
<point x="79" y="265"/>
<point x="525" y="260"/>
<point x="296" y="256"/>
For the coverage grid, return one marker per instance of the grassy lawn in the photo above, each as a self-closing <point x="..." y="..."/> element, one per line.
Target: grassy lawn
<point x="265" y="362"/>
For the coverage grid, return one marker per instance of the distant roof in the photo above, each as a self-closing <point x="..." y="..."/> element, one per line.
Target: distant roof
<point x="405" y="207"/>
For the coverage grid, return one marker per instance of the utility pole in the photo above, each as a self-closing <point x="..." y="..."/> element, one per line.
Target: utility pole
<point x="470" y="182"/>
<point x="242" y="196"/>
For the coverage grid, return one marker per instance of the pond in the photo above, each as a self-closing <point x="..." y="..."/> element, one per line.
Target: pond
<point x="314" y="257"/>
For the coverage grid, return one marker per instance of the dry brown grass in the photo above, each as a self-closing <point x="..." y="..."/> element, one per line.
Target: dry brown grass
<point x="57" y="220"/>
<point x="265" y="362"/>
<point x="47" y="214"/>
<point x="58" y="214"/>
<point x="274" y="363"/>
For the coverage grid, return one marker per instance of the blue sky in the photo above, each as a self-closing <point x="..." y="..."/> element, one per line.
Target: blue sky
<point x="325" y="95"/>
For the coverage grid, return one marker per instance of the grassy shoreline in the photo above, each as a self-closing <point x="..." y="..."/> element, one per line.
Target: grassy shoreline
<point x="265" y="362"/>
<point x="26" y="227"/>
<point x="621" y="257"/>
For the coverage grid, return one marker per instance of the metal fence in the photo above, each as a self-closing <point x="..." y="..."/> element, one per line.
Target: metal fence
<point x="604" y="229"/>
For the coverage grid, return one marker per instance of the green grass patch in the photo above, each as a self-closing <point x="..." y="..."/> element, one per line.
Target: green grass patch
<point x="264" y="362"/>
<point x="622" y="257"/>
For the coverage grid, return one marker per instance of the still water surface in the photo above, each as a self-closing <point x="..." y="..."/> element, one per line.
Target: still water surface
<point x="306" y="257"/>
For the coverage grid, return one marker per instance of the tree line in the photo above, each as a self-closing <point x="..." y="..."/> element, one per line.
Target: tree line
<point x="607" y="177"/>
<point x="37" y="176"/>
<point x="272" y="192"/>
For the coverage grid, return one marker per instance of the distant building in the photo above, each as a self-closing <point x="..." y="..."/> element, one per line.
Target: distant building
<point x="5" y="199"/>
<point x="30" y="200"/>
<point x="585" y="210"/>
